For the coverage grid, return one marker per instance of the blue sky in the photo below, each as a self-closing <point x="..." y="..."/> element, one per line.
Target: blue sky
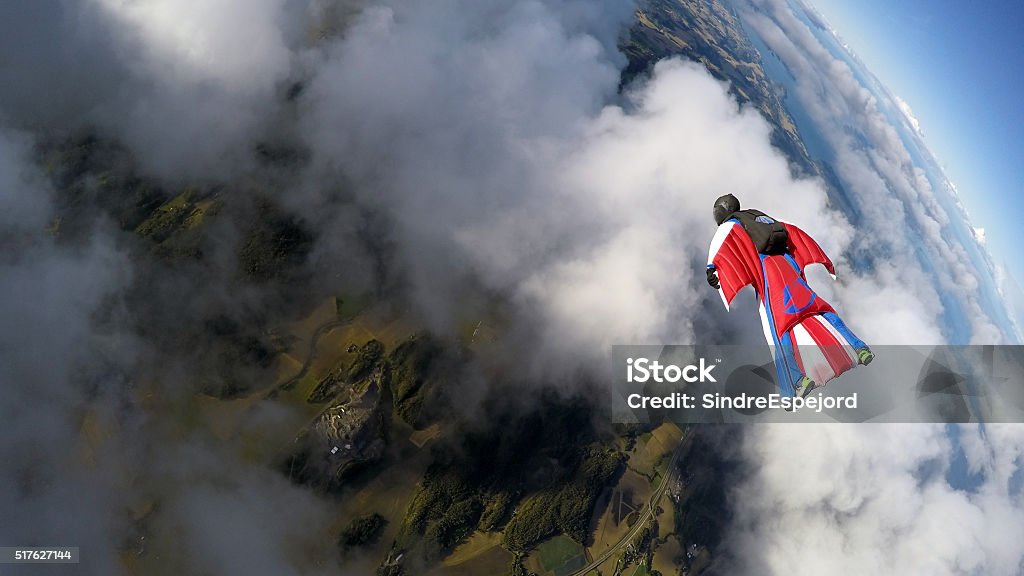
<point x="960" y="66"/>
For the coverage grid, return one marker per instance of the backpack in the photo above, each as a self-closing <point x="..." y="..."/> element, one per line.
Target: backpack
<point x="769" y="235"/>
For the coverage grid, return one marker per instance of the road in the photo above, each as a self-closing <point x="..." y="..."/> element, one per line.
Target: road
<point x="648" y="512"/>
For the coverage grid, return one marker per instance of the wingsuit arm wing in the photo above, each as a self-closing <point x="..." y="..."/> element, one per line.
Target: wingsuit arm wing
<point x="806" y="251"/>
<point x="735" y="259"/>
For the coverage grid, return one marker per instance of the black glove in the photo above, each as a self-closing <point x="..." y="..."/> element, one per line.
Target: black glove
<point x="713" y="278"/>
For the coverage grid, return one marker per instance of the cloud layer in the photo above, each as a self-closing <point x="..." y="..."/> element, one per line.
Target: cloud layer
<point x="879" y="498"/>
<point x="875" y="499"/>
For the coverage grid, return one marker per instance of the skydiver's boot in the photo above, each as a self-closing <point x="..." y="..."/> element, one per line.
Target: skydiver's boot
<point x="865" y="356"/>
<point x="804" y="387"/>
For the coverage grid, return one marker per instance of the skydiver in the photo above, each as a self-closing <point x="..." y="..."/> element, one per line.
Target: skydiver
<point x="811" y="344"/>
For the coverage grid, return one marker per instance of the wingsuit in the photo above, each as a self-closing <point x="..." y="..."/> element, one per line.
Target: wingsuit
<point x="810" y="343"/>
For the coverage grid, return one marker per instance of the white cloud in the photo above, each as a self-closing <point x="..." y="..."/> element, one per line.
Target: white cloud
<point x="48" y="295"/>
<point x="869" y="499"/>
<point x="199" y="80"/>
<point x="908" y="114"/>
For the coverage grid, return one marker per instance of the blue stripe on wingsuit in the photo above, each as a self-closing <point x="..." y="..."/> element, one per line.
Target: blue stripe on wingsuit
<point x="840" y="327"/>
<point x="792" y="262"/>
<point x="785" y="386"/>
<point x="787" y="298"/>
<point x="793" y="371"/>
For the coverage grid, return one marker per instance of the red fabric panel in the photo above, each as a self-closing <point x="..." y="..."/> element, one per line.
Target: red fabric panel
<point x="829" y="346"/>
<point x="806" y="251"/>
<point x="789" y="298"/>
<point x="737" y="264"/>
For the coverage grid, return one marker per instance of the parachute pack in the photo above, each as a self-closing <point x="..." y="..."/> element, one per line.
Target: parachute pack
<point x="769" y="235"/>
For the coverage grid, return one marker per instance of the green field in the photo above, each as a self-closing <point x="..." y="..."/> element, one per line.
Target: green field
<point x="641" y="570"/>
<point x="561" y="555"/>
<point x="350" y="305"/>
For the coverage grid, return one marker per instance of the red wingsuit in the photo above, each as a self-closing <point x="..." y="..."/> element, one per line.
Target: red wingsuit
<point x="806" y="335"/>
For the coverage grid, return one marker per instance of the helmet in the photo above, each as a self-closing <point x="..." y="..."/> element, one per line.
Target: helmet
<point x="725" y="206"/>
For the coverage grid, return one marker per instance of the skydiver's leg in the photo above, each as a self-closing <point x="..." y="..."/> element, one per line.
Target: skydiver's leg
<point x="786" y="366"/>
<point x="864" y="354"/>
<point x="840" y="327"/>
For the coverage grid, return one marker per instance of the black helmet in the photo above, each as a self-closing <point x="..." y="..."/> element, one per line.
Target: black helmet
<point x="725" y="206"/>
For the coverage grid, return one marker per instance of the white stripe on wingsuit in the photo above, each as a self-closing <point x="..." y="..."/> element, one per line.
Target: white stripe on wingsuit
<point x="815" y="363"/>
<point x="765" y="327"/>
<point x="719" y="239"/>
<point x="831" y="373"/>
